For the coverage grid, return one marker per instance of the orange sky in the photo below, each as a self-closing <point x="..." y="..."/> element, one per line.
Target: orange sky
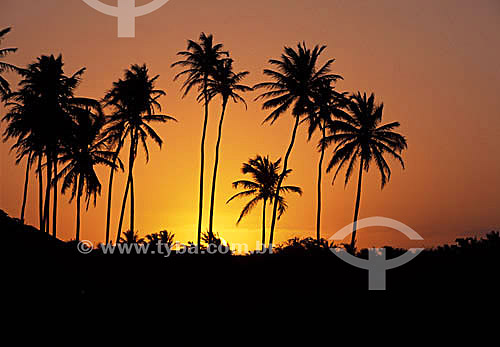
<point x="435" y="64"/>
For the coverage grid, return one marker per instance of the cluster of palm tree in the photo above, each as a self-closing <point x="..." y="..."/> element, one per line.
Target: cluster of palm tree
<point x="53" y="127"/>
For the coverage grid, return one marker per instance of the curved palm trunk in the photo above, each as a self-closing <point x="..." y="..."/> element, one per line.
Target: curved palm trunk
<point x="25" y="191"/>
<point x="54" y="212"/>
<point x="202" y="164"/>
<point x="122" y="213"/>
<point x="356" y="210"/>
<point x="216" y="165"/>
<point x="110" y="189"/>
<point x="320" y="175"/>
<point x="46" y="217"/>
<point x="129" y="183"/>
<point x="280" y="181"/>
<point x="264" y="226"/>
<point x="132" y="203"/>
<point x="78" y="201"/>
<point x="40" y="194"/>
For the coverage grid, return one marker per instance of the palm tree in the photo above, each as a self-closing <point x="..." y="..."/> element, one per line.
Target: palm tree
<point x="262" y="187"/>
<point x="327" y="104"/>
<point x="164" y="237"/>
<point x="135" y="101"/>
<point x="359" y="136"/>
<point x="294" y="80"/>
<point x="41" y="112"/>
<point x="130" y="237"/>
<point x="226" y="83"/>
<point x="200" y="61"/>
<point x="86" y="150"/>
<point x="4" y="84"/>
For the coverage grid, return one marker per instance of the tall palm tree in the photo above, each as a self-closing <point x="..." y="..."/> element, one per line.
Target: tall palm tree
<point x="262" y="187"/>
<point x="327" y="104"/>
<point x="135" y="102"/>
<point x="4" y="84"/>
<point x="86" y="149"/>
<point x="296" y="77"/>
<point x="359" y="136"/>
<point x="200" y="61"/>
<point x="226" y="83"/>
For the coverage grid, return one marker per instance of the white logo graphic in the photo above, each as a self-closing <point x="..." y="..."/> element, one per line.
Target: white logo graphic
<point x="377" y="263"/>
<point x="126" y="11"/>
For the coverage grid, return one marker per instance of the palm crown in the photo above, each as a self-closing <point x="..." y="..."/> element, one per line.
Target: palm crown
<point x="4" y="84"/>
<point x="265" y="177"/>
<point x="360" y="136"/>
<point x="226" y="83"/>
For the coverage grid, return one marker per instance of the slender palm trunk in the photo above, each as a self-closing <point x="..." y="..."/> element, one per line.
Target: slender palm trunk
<point x="356" y="210"/>
<point x="216" y="165"/>
<point x="264" y="226"/>
<point x="320" y="176"/>
<point x="129" y="183"/>
<point x="110" y="189"/>
<point x="122" y="213"/>
<point x="54" y="212"/>
<point x="78" y="201"/>
<point x="46" y="212"/>
<point x="280" y="181"/>
<point x="40" y="193"/>
<point x="25" y="191"/>
<point x="132" y="203"/>
<point x="202" y="163"/>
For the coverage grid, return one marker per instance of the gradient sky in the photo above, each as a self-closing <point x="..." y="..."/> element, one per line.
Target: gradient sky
<point x="435" y="65"/>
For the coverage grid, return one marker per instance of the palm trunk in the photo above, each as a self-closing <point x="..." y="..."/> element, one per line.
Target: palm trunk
<point x="78" y="201"/>
<point x="46" y="212"/>
<point x="129" y="182"/>
<point x="25" y="192"/>
<point x="54" y="212"/>
<point x="110" y="188"/>
<point x="280" y="181"/>
<point x="122" y="213"/>
<point x="40" y="193"/>
<point x="132" y="203"/>
<point x="216" y="165"/>
<point x="356" y="210"/>
<point x="320" y="175"/>
<point x="202" y="163"/>
<point x="264" y="226"/>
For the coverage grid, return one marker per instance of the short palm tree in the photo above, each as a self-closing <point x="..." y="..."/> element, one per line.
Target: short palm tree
<point x="263" y="187"/>
<point x="327" y="105"/>
<point x="359" y="136"/>
<point x="296" y="77"/>
<point x="225" y="83"/>
<point x="135" y="102"/>
<point x="130" y="237"/>
<point x="200" y="61"/>
<point x="4" y="84"/>
<point x="83" y="153"/>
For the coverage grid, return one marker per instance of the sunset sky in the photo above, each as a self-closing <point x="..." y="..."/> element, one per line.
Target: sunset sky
<point x="434" y="64"/>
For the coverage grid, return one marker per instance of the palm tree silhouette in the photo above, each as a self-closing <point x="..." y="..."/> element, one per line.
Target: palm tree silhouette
<point x="135" y="101"/>
<point x="43" y="106"/>
<point x="4" y="84"/>
<point x="226" y="83"/>
<point x="294" y="80"/>
<point x="327" y="104"/>
<point x="262" y="187"/>
<point x="200" y="61"/>
<point x="359" y="136"/>
<point x="82" y="154"/>
<point x="130" y="237"/>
